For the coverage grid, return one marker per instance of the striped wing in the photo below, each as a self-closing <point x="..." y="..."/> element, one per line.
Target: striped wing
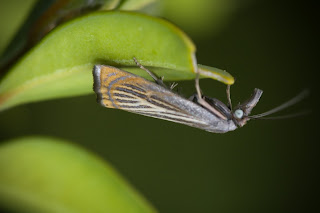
<point x="119" y="89"/>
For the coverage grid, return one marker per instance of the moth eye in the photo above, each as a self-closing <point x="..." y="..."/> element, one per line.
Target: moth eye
<point x="238" y="113"/>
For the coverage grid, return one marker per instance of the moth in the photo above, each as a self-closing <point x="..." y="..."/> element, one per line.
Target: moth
<point x="119" y="89"/>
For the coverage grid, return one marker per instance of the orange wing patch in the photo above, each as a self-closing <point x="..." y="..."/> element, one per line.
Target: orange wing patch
<point x="116" y="88"/>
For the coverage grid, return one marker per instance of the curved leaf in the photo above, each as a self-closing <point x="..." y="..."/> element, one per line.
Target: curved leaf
<point x="46" y="15"/>
<point x="60" y="65"/>
<point x="66" y="56"/>
<point x="49" y="175"/>
<point x="215" y="73"/>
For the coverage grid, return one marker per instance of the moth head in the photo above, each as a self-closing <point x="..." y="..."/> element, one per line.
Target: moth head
<point x="241" y="114"/>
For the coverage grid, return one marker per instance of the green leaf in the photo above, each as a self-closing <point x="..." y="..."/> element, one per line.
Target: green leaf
<point x="215" y="73"/>
<point x="60" y="65"/>
<point x="135" y="4"/>
<point x="32" y="30"/>
<point x="109" y="4"/>
<point x="48" y="175"/>
<point x="11" y="20"/>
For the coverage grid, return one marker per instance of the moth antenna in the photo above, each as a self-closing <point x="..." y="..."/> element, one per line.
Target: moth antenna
<point x="287" y="104"/>
<point x="305" y="112"/>
<point x="155" y="78"/>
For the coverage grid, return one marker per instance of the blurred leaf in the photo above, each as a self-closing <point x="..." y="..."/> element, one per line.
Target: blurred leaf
<point x="11" y="19"/>
<point x="201" y="18"/>
<point x="135" y="4"/>
<point x="48" y="175"/>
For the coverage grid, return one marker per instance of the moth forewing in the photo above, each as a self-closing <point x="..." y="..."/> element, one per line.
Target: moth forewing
<point x="116" y="88"/>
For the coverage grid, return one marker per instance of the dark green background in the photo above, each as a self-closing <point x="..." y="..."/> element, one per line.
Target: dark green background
<point x="266" y="166"/>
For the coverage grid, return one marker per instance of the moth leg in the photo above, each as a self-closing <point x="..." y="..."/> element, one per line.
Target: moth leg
<point x="173" y="85"/>
<point x="193" y="98"/>
<point x="229" y="97"/>
<point x="198" y="87"/>
<point x="155" y="78"/>
<point x="205" y="104"/>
